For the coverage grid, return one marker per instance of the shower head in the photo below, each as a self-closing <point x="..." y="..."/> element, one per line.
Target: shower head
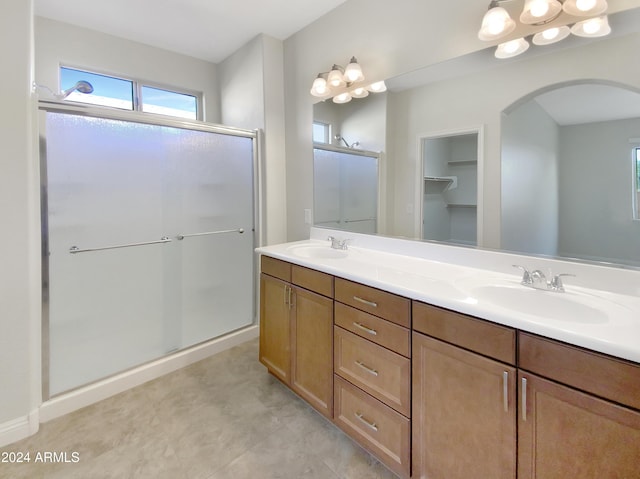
<point x="81" y="86"/>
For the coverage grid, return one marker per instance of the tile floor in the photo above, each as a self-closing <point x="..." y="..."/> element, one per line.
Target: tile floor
<point x="221" y="418"/>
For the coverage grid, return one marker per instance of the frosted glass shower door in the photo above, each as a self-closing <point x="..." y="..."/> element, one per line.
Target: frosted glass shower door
<point x="345" y="190"/>
<point x="139" y="262"/>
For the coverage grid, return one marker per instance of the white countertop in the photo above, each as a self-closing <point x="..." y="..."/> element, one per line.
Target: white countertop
<point x="605" y="320"/>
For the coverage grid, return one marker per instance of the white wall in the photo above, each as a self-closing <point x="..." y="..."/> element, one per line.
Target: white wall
<point x="59" y="43"/>
<point x="20" y="238"/>
<point x="530" y="181"/>
<point x="596" y="205"/>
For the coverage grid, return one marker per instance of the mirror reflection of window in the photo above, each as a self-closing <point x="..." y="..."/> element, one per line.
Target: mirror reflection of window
<point x="321" y="132"/>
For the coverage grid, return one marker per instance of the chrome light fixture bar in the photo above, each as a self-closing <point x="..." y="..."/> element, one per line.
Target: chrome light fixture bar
<point x="342" y="84"/>
<point x="497" y="23"/>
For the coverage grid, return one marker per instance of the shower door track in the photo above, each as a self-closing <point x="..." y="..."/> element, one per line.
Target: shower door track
<point x="134" y="117"/>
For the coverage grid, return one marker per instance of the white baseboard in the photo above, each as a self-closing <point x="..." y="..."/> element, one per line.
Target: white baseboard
<point x="20" y="428"/>
<point x="84" y="396"/>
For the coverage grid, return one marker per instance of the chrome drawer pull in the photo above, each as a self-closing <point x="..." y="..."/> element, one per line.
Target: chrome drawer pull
<point x="364" y="301"/>
<point x="364" y="328"/>
<point x="367" y="423"/>
<point x="505" y="390"/>
<point x="366" y="368"/>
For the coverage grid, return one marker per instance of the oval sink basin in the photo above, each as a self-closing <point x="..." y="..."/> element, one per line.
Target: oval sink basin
<point x="569" y="307"/>
<point x="317" y="252"/>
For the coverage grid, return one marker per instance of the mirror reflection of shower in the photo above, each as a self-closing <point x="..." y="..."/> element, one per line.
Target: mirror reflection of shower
<point x="80" y="86"/>
<point x="340" y="138"/>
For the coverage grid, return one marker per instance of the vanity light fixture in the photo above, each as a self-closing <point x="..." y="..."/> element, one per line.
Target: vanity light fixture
<point x="497" y="23"/>
<point x="343" y="84"/>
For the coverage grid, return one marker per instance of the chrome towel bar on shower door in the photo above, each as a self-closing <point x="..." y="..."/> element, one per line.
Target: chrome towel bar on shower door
<point x="238" y="230"/>
<point x="75" y="249"/>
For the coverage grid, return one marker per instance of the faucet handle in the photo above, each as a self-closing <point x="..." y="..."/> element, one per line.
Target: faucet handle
<point x="526" y="276"/>
<point x="556" y="282"/>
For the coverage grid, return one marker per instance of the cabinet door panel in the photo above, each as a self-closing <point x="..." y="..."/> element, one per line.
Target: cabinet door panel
<point x="275" y="326"/>
<point x="312" y="349"/>
<point x="566" y="433"/>
<point x="464" y="420"/>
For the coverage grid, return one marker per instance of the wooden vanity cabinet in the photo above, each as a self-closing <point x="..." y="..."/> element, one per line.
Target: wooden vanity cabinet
<point x="372" y="365"/>
<point x="464" y="403"/>
<point x="296" y="330"/>
<point x="585" y="427"/>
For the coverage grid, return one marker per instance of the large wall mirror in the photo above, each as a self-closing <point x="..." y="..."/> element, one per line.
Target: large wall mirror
<point x="569" y="173"/>
<point x="567" y="191"/>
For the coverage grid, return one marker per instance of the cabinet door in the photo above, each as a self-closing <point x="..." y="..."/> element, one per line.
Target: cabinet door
<point x="464" y="414"/>
<point x="312" y="349"/>
<point x="275" y="326"/>
<point x="566" y="433"/>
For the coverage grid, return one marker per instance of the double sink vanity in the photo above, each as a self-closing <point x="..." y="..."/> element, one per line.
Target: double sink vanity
<point x="443" y="364"/>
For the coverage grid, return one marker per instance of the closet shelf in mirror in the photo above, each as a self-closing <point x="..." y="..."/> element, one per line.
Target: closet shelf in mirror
<point x="439" y="184"/>
<point x="460" y="205"/>
<point x="462" y="162"/>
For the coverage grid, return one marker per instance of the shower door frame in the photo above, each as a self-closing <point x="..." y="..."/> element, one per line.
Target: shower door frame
<point x="45" y="107"/>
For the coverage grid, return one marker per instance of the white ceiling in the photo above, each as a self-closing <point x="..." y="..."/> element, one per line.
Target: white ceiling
<point x="589" y="103"/>
<point x="207" y="29"/>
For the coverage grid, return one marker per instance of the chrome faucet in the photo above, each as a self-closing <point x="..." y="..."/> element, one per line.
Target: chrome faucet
<point x="337" y="243"/>
<point x="537" y="279"/>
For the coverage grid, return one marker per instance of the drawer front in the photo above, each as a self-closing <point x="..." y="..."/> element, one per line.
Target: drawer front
<point x="321" y="283"/>
<point x="380" y="372"/>
<point x="380" y="331"/>
<point x="492" y="340"/>
<point x="389" y="306"/>
<point x="377" y="427"/>
<point x="275" y="267"/>
<point x="589" y="371"/>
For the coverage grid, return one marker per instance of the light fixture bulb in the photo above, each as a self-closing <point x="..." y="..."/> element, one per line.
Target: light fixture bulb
<point x="319" y="87"/>
<point x="512" y="48"/>
<point x="592" y="28"/>
<point x="585" y="5"/>
<point x="540" y="11"/>
<point x="496" y="23"/>
<point x="377" y="87"/>
<point x="353" y="72"/>
<point x="342" y="98"/>
<point x="335" y="78"/>
<point x="359" y="92"/>
<point x="551" y="35"/>
<point x="584" y="8"/>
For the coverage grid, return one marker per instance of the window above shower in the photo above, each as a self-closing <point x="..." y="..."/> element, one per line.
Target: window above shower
<point x="128" y="94"/>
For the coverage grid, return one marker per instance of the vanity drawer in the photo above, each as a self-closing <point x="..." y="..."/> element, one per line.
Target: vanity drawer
<point x="378" y="371"/>
<point x="380" y="331"/>
<point x="275" y="267"/>
<point x="604" y="376"/>
<point x="316" y="281"/>
<point x="377" y="427"/>
<point x="492" y="340"/>
<point x="389" y="306"/>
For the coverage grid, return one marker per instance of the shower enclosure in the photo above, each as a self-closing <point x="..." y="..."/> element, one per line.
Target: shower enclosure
<point x="148" y="238"/>
<point x="345" y="188"/>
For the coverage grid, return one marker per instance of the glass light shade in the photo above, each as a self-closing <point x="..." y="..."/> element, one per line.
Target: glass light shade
<point x="581" y="8"/>
<point x="592" y="28"/>
<point x="320" y="87"/>
<point x="512" y="48"/>
<point x="551" y="35"/>
<point x="377" y="87"/>
<point x="496" y="23"/>
<point x="342" y="98"/>
<point x="540" y="11"/>
<point x="359" y="92"/>
<point x="353" y="72"/>
<point x="335" y="78"/>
